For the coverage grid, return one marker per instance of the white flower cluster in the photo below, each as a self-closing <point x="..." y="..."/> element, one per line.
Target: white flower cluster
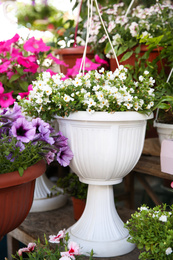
<point x="95" y="91"/>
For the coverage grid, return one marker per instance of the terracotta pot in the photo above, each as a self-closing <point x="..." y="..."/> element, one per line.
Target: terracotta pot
<point x="131" y="61"/>
<point x="78" y="207"/>
<point x="70" y="55"/>
<point x="16" y="196"/>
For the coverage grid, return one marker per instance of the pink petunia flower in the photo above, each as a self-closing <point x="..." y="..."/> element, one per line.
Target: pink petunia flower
<point x="29" y="248"/>
<point x="171" y="184"/>
<point x="57" y="61"/>
<point x="99" y="60"/>
<point x="35" y="46"/>
<point x="6" y="99"/>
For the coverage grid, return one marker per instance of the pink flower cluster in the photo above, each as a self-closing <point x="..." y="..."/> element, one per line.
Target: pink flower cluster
<point x="72" y="248"/>
<point x="20" y="64"/>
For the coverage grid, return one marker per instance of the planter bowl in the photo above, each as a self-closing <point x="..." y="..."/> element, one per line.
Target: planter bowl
<point x="16" y="196"/>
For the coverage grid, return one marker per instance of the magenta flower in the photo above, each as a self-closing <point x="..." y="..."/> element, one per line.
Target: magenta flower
<point x="57" y="61"/>
<point x="4" y="67"/>
<point x="35" y="46"/>
<point x="5" y="45"/>
<point x="1" y="88"/>
<point x="27" y="63"/>
<point x="101" y="61"/>
<point x="25" y="94"/>
<point x="51" y="72"/>
<point x="89" y="65"/>
<point x="64" y="156"/>
<point x="171" y="184"/>
<point x="6" y="99"/>
<point x="23" y="130"/>
<point x="29" y="248"/>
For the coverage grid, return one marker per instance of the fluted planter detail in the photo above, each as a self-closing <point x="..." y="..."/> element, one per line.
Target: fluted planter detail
<point x="106" y="148"/>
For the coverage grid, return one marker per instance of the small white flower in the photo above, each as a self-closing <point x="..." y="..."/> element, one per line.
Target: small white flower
<point x="143" y="208"/>
<point x="122" y="76"/>
<point x="77" y="82"/>
<point x="67" y="98"/>
<point x="146" y="72"/>
<point x="101" y="70"/>
<point x="91" y="102"/>
<point x="168" y="251"/>
<point x="141" y="78"/>
<point x="163" y="218"/>
<point x="90" y="111"/>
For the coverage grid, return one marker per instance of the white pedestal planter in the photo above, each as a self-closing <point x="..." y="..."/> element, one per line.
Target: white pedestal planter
<point x="106" y="148"/>
<point x="165" y="131"/>
<point x="41" y="202"/>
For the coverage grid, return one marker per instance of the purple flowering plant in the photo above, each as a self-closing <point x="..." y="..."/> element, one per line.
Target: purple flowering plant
<point x="24" y="142"/>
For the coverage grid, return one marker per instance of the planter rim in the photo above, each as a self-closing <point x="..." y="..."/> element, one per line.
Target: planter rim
<point x="73" y="50"/>
<point x="31" y="173"/>
<point x="105" y="116"/>
<point x="162" y="125"/>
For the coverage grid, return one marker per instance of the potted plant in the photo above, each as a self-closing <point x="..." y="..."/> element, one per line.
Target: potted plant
<point x="128" y="30"/>
<point x="24" y="145"/>
<point x="77" y="191"/>
<point x="64" y="250"/>
<point x="100" y="112"/>
<point x="151" y="230"/>
<point x="20" y="63"/>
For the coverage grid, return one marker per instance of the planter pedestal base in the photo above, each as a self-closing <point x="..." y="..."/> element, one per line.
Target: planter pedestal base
<point x="41" y="202"/>
<point x="100" y="227"/>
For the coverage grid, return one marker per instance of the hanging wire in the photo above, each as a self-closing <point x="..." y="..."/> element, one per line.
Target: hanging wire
<point x="107" y="33"/>
<point x="128" y="9"/>
<point x="89" y="20"/>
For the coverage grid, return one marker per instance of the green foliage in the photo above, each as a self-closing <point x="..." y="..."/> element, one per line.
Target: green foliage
<point x="39" y="16"/>
<point x="151" y="229"/>
<point x="22" y="159"/>
<point x="72" y="186"/>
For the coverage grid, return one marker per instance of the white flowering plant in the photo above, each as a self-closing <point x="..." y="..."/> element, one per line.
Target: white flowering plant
<point x="126" y="31"/>
<point x="151" y="229"/>
<point x="95" y="91"/>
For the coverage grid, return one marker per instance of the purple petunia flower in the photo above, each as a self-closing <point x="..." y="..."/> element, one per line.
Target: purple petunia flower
<point x="64" y="156"/>
<point x="43" y="131"/>
<point x="60" y="140"/>
<point x="23" y="130"/>
<point x="50" y="157"/>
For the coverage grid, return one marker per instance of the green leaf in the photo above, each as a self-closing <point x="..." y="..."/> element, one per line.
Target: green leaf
<point x="14" y="77"/>
<point x="21" y="171"/>
<point x="122" y="50"/>
<point x="24" y="85"/>
<point x="126" y="56"/>
<point x="107" y="48"/>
